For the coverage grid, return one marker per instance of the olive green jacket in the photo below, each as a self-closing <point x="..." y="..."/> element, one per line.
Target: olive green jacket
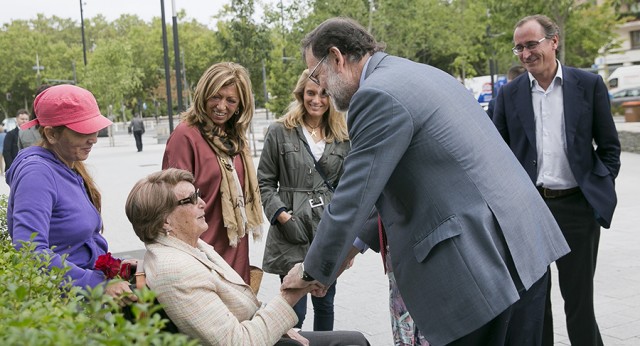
<point x="288" y="180"/>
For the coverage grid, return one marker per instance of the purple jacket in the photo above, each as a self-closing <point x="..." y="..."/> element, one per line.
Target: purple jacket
<point x="49" y="199"/>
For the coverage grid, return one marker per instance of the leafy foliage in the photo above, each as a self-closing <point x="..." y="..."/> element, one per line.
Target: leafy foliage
<point x="244" y="41"/>
<point x="125" y="56"/>
<point x="39" y="307"/>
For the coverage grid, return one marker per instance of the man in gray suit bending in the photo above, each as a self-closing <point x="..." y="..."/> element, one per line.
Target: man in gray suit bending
<point x="470" y="234"/>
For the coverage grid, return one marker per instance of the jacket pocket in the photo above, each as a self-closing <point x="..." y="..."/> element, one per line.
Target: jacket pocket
<point x="287" y="148"/>
<point x="600" y="169"/>
<point x="293" y="231"/>
<point x="447" y="229"/>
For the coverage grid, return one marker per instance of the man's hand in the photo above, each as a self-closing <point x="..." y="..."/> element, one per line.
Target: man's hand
<point x="348" y="262"/>
<point x="319" y="291"/>
<point x="293" y="285"/>
<point x="294" y="279"/>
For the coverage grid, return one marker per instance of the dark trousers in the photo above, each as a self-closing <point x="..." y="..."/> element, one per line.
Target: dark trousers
<point x="576" y="270"/>
<point x="338" y="338"/>
<point x="138" y="136"/>
<point x="519" y="325"/>
<point x="323" y="314"/>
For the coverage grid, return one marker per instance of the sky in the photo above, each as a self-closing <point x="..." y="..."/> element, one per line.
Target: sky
<point x="201" y="10"/>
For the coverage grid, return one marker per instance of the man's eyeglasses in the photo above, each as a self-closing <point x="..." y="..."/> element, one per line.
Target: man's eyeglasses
<point x="193" y="198"/>
<point x="517" y="50"/>
<point x="311" y="74"/>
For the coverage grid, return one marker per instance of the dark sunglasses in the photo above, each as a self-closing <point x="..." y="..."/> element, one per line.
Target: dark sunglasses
<point x="193" y="198"/>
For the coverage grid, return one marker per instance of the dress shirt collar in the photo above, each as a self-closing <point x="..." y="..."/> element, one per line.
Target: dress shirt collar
<point x="364" y="69"/>
<point x="533" y="81"/>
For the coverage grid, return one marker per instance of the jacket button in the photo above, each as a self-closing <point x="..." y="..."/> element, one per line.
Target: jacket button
<point x="535" y="162"/>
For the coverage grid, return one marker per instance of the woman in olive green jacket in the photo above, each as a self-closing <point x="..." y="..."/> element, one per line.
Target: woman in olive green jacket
<point x="301" y="163"/>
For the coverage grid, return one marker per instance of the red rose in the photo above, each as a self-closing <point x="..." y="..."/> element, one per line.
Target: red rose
<point x="125" y="271"/>
<point x="108" y="265"/>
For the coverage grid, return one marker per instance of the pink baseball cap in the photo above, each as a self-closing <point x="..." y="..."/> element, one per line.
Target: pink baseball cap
<point x="68" y="105"/>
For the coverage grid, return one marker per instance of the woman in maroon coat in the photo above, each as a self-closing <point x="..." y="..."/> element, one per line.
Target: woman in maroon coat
<point x="211" y="143"/>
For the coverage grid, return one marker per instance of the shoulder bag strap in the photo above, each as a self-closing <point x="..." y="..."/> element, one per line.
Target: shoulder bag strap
<point x="318" y="167"/>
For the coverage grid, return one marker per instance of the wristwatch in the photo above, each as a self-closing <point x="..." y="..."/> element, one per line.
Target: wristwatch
<point x="304" y="275"/>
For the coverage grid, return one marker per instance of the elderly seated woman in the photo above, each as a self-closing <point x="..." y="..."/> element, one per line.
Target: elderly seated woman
<point x="200" y="292"/>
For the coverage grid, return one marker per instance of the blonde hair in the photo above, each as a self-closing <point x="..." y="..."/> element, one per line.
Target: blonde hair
<point x="213" y="79"/>
<point x="152" y="199"/>
<point x="336" y="129"/>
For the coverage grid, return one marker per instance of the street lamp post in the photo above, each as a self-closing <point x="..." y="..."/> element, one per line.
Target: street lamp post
<point x="84" y="46"/>
<point x="167" y="72"/>
<point x="38" y="68"/>
<point x="372" y="8"/>
<point x="176" y="53"/>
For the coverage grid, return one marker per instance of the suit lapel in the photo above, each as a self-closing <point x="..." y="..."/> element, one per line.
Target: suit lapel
<point x="523" y="105"/>
<point x="572" y="92"/>
<point x="211" y="262"/>
<point x="218" y="264"/>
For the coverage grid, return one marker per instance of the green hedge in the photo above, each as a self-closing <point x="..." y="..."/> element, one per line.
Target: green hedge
<point x="39" y="307"/>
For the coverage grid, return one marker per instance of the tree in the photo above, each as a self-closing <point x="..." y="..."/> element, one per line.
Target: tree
<point x="584" y="27"/>
<point x="244" y="41"/>
<point x="200" y="47"/>
<point x="48" y="39"/>
<point x="285" y="64"/>
<point x="112" y="73"/>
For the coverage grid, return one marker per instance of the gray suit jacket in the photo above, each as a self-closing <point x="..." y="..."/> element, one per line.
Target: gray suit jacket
<point x="456" y="204"/>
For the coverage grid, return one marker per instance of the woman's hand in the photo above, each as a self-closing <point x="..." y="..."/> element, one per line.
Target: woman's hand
<point x="283" y="217"/>
<point x="133" y="265"/>
<point x="294" y="335"/>
<point x="132" y="262"/>
<point x="121" y="291"/>
<point x="292" y="295"/>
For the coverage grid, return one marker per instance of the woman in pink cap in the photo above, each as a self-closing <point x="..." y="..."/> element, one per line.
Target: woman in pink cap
<point x="52" y="194"/>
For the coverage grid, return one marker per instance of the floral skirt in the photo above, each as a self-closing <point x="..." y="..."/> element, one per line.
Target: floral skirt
<point x="405" y="332"/>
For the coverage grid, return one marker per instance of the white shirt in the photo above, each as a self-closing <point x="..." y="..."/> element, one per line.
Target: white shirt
<point x="316" y="148"/>
<point x="554" y="171"/>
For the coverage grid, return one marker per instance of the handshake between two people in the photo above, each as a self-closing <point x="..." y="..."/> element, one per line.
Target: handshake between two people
<point x="295" y="287"/>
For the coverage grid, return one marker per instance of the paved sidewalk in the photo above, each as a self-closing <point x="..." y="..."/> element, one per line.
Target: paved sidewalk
<point x="362" y="297"/>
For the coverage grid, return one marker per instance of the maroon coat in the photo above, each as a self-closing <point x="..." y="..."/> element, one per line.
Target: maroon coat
<point x="187" y="149"/>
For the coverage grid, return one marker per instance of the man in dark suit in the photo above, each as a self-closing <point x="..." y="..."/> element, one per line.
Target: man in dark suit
<point x="10" y="148"/>
<point x="470" y="236"/>
<point x="551" y="117"/>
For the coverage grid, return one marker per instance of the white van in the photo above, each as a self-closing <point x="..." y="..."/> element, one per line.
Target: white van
<point x="623" y="78"/>
<point x="9" y="124"/>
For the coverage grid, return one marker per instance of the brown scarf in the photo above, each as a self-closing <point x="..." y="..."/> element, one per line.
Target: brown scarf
<point x="241" y="210"/>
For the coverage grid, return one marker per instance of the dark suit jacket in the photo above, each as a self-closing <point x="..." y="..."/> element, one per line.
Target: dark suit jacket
<point x="588" y="121"/>
<point x="10" y="149"/>
<point x="454" y="200"/>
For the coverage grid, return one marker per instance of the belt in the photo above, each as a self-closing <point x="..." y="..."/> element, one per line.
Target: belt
<point x="548" y="193"/>
<point x="322" y="189"/>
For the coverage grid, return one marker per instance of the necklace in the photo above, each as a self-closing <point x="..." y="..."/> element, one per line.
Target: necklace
<point x="313" y="129"/>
